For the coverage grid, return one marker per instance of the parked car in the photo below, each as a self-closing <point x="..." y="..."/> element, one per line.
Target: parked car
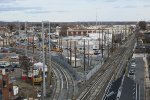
<point x="131" y="72"/>
<point x="5" y="50"/>
<point x="16" y="65"/>
<point x="132" y="69"/>
<point x="9" y="68"/>
<point x="133" y="64"/>
<point x="132" y="59"/>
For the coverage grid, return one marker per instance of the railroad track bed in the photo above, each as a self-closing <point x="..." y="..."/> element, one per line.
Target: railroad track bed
<point x="65" y="87"/>
<point x="106" y="73"/>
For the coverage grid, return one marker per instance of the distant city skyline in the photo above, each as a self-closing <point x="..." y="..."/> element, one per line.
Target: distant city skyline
<point x="74" y="10"/>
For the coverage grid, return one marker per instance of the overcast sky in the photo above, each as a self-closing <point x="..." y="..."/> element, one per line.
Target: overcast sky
<point x="74" y="10"/>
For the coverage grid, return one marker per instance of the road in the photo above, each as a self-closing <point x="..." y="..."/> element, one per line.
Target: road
<point x="139" y="75"/>
<point x="112" y="69"/>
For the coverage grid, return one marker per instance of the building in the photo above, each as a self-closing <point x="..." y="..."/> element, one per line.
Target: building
<point x="6" y="86"/>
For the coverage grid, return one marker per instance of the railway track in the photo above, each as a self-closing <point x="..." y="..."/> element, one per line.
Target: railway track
<point x="65" y="84"/>
<point x="96" y="86"/>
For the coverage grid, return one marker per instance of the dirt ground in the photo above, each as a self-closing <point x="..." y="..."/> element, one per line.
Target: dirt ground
<point x="26" y="88"/>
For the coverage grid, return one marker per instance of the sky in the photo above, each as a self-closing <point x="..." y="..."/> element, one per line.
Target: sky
<point x="74" y="10"/>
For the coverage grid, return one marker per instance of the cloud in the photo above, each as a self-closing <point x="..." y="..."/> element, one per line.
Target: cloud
<point x="127" y="6"/>
<point x="117" y="7"/>
<point x="130" y="6"/>
<point x="146" y="6"/>
<point x="3" y="8"/>
<point x="37" y="12"/>
<point x="7" y="1"/>
<point x="46" y="11"/>
<point x="110" y="0"/>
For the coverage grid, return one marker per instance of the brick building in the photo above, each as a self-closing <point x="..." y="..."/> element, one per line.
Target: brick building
<point x="6" y="86"/>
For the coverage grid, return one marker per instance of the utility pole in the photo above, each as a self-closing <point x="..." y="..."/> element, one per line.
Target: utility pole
<point x="25" y="39"/>
<point x="75" y="48"/>
<point x="61" y="42"/>
<point x="99" y="39"/>
<point x="33" y="43"/>
<point x="70" y="52"/>
<point x="84" y="54"/>
<point x="67" y="50"/>
<point x="102" y="43"/>
<point x="19" y="32"/>
<point x="43" y="38"/>
<point x="108" y="41"/>
<point x="50" y="63"/>
<point x="88" y="55"/>
<point x="126" y="32"/>
<point x="112" y="41"/>
<point x="84" y="62"/>
<point x="28" y="40"/>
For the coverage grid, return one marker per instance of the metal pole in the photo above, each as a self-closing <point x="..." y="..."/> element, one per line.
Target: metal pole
<point x="33" y="43"/>
<point x="44" y="91"/>
<point x="70" y="52"/>
<point x="49" y="70"/>
<point x="88" y="54"/>
<point x="102" y="43"/>
<point x="84" y="54"/>
<point x="112" y="41"/>
<point x="19" y="32"/>
<point x="61" y="44"/>
<point x="126" y="34"/>
<point x="108" y="41"/>
<point x="84" y="62"/>
<point x="25" y="40"/>
<point x="99" y="39"/>
<point x="75" y="53"/>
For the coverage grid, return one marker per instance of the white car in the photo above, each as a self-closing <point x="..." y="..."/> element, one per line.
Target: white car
<point x="133" y="65"/>
<point x="14" y="57"/>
